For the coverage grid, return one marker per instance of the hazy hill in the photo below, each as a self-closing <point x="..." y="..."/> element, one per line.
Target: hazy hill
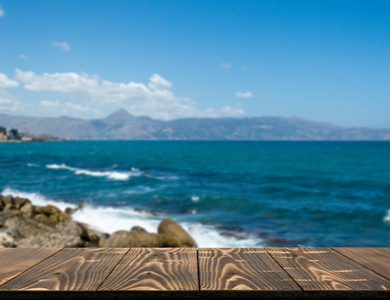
<point x="122" y="125"/>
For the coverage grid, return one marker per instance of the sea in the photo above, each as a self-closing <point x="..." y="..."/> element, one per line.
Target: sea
<point x="224" y="193"/>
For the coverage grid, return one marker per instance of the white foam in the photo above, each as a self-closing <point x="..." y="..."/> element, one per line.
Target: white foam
<point x="195" y="198"/>
<point x="32" y="165"/>
<point x="109" y="174"/>
<point x="387" y="217"/>
<point x="209" y="236"/>
<point x="110" y="219"/>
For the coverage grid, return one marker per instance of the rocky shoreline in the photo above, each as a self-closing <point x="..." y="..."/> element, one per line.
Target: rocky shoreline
<point x="25" y="225"/>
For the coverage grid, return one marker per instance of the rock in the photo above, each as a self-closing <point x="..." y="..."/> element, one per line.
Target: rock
<point x="27" y="210"/>
<point x="14" y="233"/>
<point x="59" y="217"/>
<point x="50" y="214"/>
<point x="15" y="212"/>
<point x="27" y="227"/>
<point x="144" y="239"/>
<point x="6" y="241"/>
<point x="94" y="239"/>
<point x="73" y="228"/>
<point x="42" y="218"/>
<point x="174" y="235"/>
<point x="2" y="204"/>
<point x="120" y="239"/>
<point x="8" y="199"/>
<point x="51" y="240"/>
<point x="103" y="238"/>
<point x="8" y="206"/>
<point x="64" y="234"/>
<point x="137" y="230"/>
<point x="71" y="211"/>
<point x="4" y="216"/>
<point x="24" y="225"/>
<point x="47" y="210"/>
<point x="19" y="202"/>
<point x="136" y="237"/>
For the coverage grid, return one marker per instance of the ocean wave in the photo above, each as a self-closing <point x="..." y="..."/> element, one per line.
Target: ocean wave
<point x="387" y="217"/>
<point x="209" y="236"/>
<point x="195" y="198"/>
<point x="110" y="219"/>
<point x="31" y="165"/>
<point x="109" y="174"/>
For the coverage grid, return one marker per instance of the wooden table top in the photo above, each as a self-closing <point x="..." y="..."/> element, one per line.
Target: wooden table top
<point x="194" y="273"/>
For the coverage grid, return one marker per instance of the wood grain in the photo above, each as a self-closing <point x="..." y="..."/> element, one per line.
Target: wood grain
<point x="72" y="269"/>
<point x="376" y="259"/>
<point x="321" y="269"/>
<point x="14" y="261"/>
<point x="155" y="269"/>
<point x="241" y="269"/>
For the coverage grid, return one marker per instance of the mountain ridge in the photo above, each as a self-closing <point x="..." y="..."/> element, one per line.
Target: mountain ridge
<point x="121" y="125"/>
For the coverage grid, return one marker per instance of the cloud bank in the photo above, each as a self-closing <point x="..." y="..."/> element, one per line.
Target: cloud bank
<point x="95" y="95"/>
<point x="5" y="82"/>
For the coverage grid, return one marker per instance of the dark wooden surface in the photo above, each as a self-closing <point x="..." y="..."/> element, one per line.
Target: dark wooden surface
<point x="376" y="259"/>
<point x="72" y="269"/>
<point x="242" y="269"/>
<point x="181" y="273"/>
<point x="155" y="269"/>
<point x="15" y="261"/>
<point x="319" y="269"/>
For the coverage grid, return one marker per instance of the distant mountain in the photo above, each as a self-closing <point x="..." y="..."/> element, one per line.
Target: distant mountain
<point x="121" y="125"/>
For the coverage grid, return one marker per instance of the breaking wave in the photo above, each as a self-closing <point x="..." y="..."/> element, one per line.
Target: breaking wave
<point x="109" y="174"/>
<point x="110" y="219"/>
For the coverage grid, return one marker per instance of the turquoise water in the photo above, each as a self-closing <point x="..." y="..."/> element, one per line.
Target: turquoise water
<point x="224" y="193"/>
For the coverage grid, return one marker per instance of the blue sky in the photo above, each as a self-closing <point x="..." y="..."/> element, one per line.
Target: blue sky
<point x="320" y="60"/>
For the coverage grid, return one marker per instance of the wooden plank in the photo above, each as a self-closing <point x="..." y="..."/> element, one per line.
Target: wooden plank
<point x="14" y="261"/>
<point x="243" y="269"/>
<point x="155" y="269"/>
<point x="72" y="269"/>
<point x="376" y="259"/>
<point x="321" y="269"/>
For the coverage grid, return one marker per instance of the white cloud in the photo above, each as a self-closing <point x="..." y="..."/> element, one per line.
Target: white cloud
<point x="2" y="13"/>
<point x="10" y="105"/>
<point x="5" y="82"/>
<point x="23" y="56"/>
<point x="159" y="83"/>
<point x="244" y="95"/>
<point x="226" y="66"/>
<point x="55" y="107"/>
<point x="154" y="99"/>
<point x="64" y="46"/>
<point x="81" y="108"/>
<point x="46" y="103"/>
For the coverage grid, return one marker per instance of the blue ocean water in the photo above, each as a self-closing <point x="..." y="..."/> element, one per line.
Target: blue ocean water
<point x="227" y="194"/>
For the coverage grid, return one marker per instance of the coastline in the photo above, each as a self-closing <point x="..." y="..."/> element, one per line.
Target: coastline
<point x="25" y="225"/>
